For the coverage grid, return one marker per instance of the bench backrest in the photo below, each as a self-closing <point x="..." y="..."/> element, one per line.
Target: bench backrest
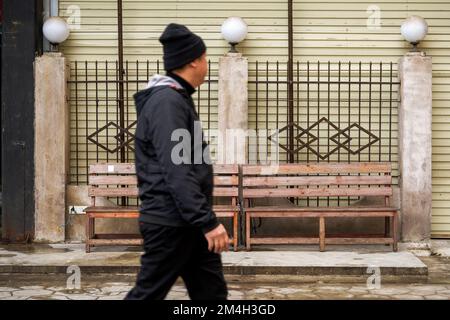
<point x="317" y="180"/>
<point x="119" y="180"/>
<point x="226" y="180"/>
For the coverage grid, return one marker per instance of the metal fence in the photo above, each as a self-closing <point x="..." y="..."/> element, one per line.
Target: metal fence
<point x="341" y="112"/>
<point x="103" y="115"/>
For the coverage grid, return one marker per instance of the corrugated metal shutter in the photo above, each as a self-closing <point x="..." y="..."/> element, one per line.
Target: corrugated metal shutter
<point x="327" y="31"/>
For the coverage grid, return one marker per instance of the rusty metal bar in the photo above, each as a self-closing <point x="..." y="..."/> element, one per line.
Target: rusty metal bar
<point x="76" y="125"/>
<point x="209" y="101"/>
<point x="117" y="104"/>
<point x="339" y="114"/>
<point x="298" y="106"/>
<point x="121" y="74"/>
<point x="107" y="104"/>
<point x="267" y="107"/>
<point x="379" y="112"/>
<point x="349" y="109"/>
<point x="87" y="112"/>
<point x="96" y="102"/>
<point x="390" y="113"/>
<point x="370" y="108"/>
<point x="290" y="79"/>
<point x="257" y="107"/>
<point x="307" y="112"/>
<point x="125" y="120"/>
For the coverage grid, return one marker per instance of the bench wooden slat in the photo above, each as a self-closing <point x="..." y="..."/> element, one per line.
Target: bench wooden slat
<point x="129" y="168"/>
<point x="115" y="242"/>
<point x="134" y="192"/>
<point x="117" y="236"/>
<point x="224" y="214"/>
<point x="320" y="209"/>
<point x="125" y="215"/>
<point x="315" y="192"/>
<point x="113" y="192"/>
<point x="283" y="240"/>
<point x="112" y="209"/>
<point x="314" y="214"/>
<point x="226" y="192"/>
<point x="104" y="168"/>
<point x="132" y="180"/>
<point x="226" y="180"/>
<point x="226" y="168"/>
<point x="113" y="180"/>
<point x="357" y="240"/>
<point x="316" y="180"/>
<point x="316" y="168"/>
<point x="306" y="240"/>
<point x="223" y="207"/>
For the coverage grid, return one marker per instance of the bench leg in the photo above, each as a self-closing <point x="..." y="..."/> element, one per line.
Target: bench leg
<point x="235" y="231"/>
<point x="247" y="231"/>
<point x="92" y="228"/>
<point x="88" y="233"/>
<point x="394" y="229"/>
<point x="387" y="227"/>
<point x="322" y="233"/>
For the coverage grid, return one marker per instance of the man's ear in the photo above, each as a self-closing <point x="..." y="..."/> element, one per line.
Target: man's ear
<point x="194" y="63"/>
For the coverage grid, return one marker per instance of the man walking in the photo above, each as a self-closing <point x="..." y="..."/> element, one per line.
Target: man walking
<point x="182" y="236"/>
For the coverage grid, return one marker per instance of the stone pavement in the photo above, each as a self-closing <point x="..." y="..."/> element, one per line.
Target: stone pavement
<point x="285" y="260"/>
<point x="435" y="284"/>
<point x="115" y="287"/>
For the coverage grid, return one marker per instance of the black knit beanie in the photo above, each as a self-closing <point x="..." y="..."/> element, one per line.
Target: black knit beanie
<point x="180" y="46"/>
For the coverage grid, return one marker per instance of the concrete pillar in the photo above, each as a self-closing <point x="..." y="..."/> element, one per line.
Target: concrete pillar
<point x="233" y="108"/>
<point x="415" y="146"/>
<point x="51" y="146"/>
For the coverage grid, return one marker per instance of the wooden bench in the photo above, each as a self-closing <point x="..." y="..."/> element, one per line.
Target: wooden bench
<point x="320" y="180"/>
<point x="113" y="180"/>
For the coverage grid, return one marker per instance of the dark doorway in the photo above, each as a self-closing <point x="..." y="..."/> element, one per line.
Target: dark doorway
<point x="1" y="115"/>
<point x="21" y="42"/>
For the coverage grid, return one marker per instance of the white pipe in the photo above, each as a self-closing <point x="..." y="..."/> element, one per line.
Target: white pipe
<point x="54" y="10"/>
<point x="46" y="6"/>
<point x="51" y="9"/>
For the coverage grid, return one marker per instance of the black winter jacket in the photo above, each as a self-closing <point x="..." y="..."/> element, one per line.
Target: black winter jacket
<point x="172" y="194"/>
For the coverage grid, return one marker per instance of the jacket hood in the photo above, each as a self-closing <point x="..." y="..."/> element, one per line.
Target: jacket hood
<point x="155" y="82"/>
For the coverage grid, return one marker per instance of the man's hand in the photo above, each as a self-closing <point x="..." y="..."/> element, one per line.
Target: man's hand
<point x="218" y="239"/>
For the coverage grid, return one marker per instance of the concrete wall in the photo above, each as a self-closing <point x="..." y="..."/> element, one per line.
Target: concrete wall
<point x="51" y="146"/>
<point x="233" y="108"/>
<point x="415" y="145"/>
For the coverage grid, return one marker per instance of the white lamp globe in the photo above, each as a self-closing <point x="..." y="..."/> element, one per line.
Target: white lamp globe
<point x="56" y="30"/>
<point x="234" y="30"/>
<point x="414" y="29"/>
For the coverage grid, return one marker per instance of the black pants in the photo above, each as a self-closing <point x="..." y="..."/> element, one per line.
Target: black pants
<point x="171" y="252"/>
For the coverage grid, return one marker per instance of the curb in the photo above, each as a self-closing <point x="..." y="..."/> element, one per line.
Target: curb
<point x="230" y="270"/>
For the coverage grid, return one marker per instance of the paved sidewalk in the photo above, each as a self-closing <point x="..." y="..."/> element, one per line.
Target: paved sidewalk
<point x="306" y="273"/>
<point x="340" y="261"/>
<point x="115" y="287"/>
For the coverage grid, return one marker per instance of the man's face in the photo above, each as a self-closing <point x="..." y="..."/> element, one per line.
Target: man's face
<point x="202" y="68"/>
